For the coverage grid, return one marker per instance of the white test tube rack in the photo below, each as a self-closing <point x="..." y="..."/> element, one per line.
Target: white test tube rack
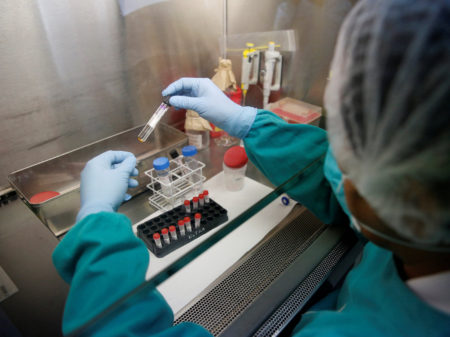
<point x="185" y="181"/>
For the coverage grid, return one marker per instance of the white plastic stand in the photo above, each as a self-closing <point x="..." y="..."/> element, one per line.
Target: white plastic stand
<point x="186" y="183"/>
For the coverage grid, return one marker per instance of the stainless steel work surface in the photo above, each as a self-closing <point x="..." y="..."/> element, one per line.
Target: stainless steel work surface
<point x="62" y="174"/>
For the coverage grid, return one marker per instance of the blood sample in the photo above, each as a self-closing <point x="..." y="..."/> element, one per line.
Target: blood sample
<point x="187" y="206"/>
<point x="181" y="227"/>
<point x="173" y="232"/>
<point x="198" y="216"/>
<point x="165" y="234"/>
<point x="157" y="239"/>
<point x="187" y="222"/>
<point x="206" y="196"/>
<point x="201" y="200"/>
<point x="194" y="204"/>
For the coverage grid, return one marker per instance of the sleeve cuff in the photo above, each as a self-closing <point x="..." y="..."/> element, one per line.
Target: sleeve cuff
<point x="92" y="208"/>
<point x="246" y="120"/>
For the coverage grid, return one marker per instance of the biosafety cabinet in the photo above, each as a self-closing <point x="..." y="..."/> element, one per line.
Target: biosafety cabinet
<point x="81" y="77"/>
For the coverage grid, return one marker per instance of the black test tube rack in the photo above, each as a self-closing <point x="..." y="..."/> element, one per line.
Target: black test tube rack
<point x="212" y="213"/>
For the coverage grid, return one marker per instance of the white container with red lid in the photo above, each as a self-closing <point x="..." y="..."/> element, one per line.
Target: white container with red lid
<point x="234" y="167"/>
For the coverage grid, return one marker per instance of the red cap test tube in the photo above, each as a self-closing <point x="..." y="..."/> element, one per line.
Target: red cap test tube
<point x="165" y="234"/>
<point x="194" y="203"/>
<point x="157" y="239"/>
<point x="187" y="206"/>
<point x="181" y="227"/>
<point x="206" y="196"/>
<point x="173" y="232"/>
<point x="187" y="222"/>
<point x="198" y="216"/>
<point x="201" y="200"/>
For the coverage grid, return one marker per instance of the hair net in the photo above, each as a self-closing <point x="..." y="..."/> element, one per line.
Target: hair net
<point x="388" y="103"/>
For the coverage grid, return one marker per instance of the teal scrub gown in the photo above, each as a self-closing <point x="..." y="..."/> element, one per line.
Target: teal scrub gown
<point x="102" y="260"/>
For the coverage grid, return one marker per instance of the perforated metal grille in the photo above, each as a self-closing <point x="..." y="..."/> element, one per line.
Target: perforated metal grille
<point x="242" y="283"/>
<point x="290" y="307"/>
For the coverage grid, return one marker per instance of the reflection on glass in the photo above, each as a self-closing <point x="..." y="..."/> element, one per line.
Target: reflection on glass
<point x="144" y="290"/>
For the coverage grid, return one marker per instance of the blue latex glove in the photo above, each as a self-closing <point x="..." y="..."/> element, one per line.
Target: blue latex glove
<point x="204" y="97"/>
<point x="105" y="180"/>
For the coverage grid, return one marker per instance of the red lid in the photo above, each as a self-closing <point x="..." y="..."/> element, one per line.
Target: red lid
<point x="172" y="228"/>
<point x="43" y="196"/>
<point x="181" y="222"/>
<point x="187" y="202"/>
<point x="164" y="231"/>
<point x="200" y="196"/>
<point x="156" y="236"/>
<point x="235" y="95"/>
<point x="205" y="192"/>
<point x="198" y="215"/>
<point x="235" y="157"/>
<point x="187" y="219"/>
<point x="195" y="199"/>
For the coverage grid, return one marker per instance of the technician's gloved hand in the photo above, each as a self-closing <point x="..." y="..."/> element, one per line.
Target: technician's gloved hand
<point x="204" y="97"/>
<point x="104" y="182"/>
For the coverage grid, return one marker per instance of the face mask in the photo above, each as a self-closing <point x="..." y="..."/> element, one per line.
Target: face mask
<point x="334" y="176"/>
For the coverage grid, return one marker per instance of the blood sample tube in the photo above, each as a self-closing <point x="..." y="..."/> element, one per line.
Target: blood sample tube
<point x="187" y="222"/>
<point x="198" y="216"/>
<point x="173" y="232"/>
<point x="165" y="234"/>
<point x="187" y="206"/>
<point x="157" y="239"/>
<point x="206" y="196"/>
<point x="181" y="227"/>
<point x="194" y="204"/>
<point x="201" y="200"/>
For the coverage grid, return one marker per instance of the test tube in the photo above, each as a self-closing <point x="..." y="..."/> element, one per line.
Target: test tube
<point x="181" y="227"/>
<point x="165" y="234"/>
<point x="201" y="200"/>
<point x="194" y="204"/>
<point x="187" y="206"/>
<point x="198" y="216"/>
<point x="187" y="222"/>
<point x="157" y="239"/>
<point x="173" y="232"/>
<point x="153" y="121"/>
<point x="206" y="196"/>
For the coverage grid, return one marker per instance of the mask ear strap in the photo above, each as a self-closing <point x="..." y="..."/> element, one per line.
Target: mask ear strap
<point x="340" y="187"/>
